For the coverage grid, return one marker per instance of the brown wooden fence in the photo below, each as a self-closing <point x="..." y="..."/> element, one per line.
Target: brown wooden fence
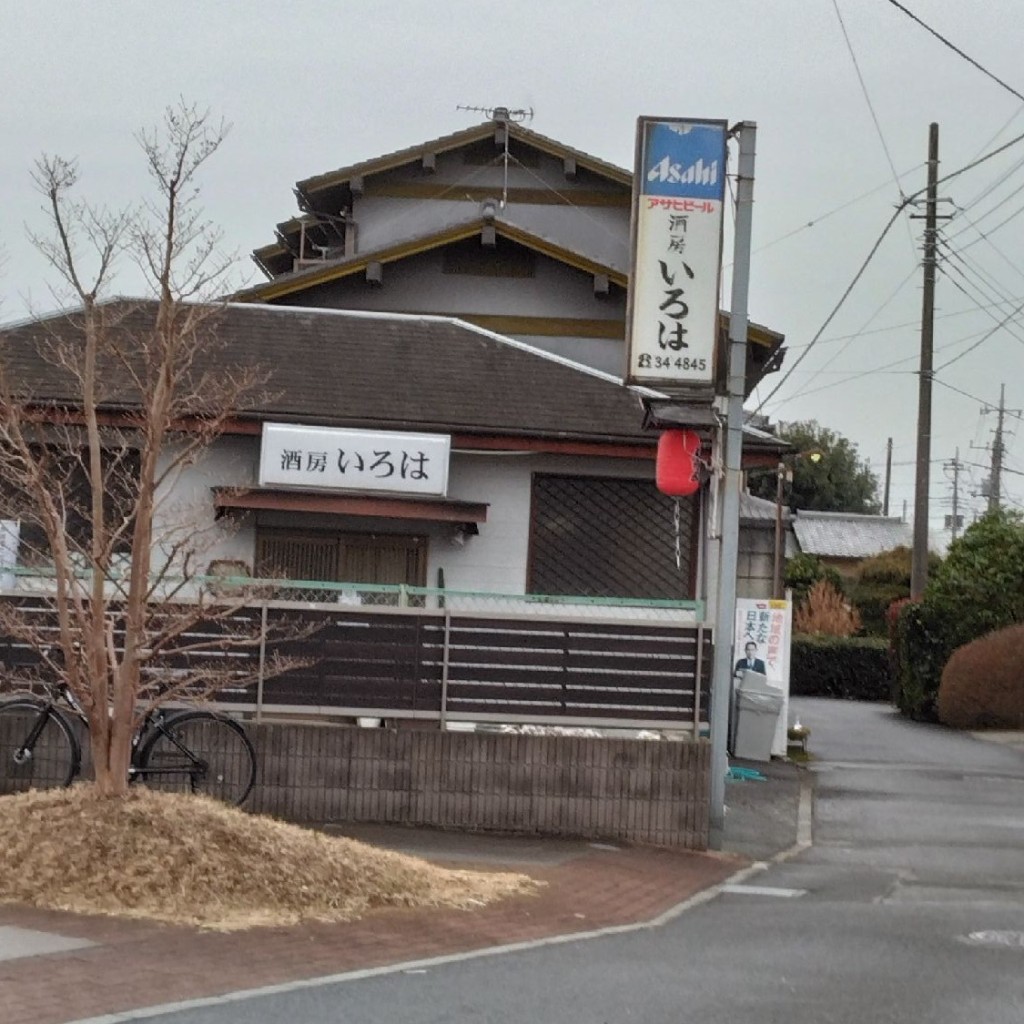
<point x="442" y="665"/>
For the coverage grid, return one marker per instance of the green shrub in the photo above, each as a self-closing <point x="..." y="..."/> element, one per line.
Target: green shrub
<point x="980" y="584"/>
<point x="803" y="571"/>
<point x="982" y="684"/>
<point x="924" y="647"/>
<point x="881" y="580"/>
<point x="977" y="589"/>
<point x="892" y="624"/>
<point x="850" y="668"/>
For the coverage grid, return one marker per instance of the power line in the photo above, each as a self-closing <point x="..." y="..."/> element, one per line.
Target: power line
<point x="831" y="213"/>
<point x="867" y="97"/>
<point x="835" y="309"/>
<point x="982" y="340"/>
<point x="876" y="370"/>
<point x="956" y="263"/>
<point x="988" y="192"/>
<point x="956" y="49"/>
<point x="871" y="254"/>
<point x="853" y="337"/>
<point x="906" y="323"/>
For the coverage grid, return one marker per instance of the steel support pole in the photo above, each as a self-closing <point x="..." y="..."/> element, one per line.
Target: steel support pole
<point x="780" y="476"/>
<point x="725" y="611"/>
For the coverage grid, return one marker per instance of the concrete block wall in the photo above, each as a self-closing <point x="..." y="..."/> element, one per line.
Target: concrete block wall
<point x="639" y="791"/>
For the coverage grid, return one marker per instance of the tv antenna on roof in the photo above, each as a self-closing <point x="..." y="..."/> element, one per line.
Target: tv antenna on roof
<point x="518" y="115"/>
<point x="502" y="115"/>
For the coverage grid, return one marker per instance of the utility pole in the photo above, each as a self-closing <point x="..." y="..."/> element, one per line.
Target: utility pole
<point x="888" y="476"/>
<point x="954" y="522"/>
<point x="919" y="560"/>
<point x="995" y="483"/>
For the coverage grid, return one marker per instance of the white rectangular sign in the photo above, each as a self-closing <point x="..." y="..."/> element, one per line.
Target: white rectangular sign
<point x="678" y="196"/>
<point x="762" y="643"/>
<point x="336" y="459"/>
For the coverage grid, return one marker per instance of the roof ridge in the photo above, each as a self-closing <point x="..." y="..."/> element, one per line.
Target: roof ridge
<point x="451" y="141"/>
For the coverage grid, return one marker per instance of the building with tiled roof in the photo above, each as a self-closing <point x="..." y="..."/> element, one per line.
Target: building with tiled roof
<point x="496" y="225"/>
<point x="844" y="539"/>
<point x="549" y="480"/>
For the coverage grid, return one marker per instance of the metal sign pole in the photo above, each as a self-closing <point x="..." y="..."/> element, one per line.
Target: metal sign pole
<point x="721" y="680"/>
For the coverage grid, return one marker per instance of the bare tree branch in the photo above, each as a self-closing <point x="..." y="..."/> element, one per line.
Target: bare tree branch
<point x="92" y="446"/>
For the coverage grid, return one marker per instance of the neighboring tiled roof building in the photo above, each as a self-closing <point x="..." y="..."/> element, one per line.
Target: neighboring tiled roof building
<point x="848" y="535"/>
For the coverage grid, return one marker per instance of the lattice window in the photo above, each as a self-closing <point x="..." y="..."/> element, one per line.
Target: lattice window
<point x="345" y="558"/>
<point x="609" y="537"/>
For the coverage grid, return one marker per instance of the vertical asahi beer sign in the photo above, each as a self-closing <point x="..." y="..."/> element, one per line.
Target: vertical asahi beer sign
<point x="678" y="195"/>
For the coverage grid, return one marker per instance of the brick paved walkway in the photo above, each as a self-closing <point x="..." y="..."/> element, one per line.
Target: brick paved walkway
<point x="136" y="964"/>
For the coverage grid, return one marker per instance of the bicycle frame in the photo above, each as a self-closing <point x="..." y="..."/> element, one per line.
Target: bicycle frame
<point x="168" y="745"/>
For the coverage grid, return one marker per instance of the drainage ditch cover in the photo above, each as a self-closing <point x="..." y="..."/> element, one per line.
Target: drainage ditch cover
<point x="1014" y="940"/>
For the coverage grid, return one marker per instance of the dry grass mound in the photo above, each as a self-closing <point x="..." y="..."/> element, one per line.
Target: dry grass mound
<point x="982" y="684"/>
<point x="191" y="860"/>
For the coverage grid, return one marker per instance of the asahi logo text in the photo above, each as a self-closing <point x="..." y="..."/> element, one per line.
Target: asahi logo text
<point x="698" y="173"/>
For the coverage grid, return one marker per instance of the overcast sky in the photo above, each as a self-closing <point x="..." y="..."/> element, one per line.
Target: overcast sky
<point x="313" y="86"/>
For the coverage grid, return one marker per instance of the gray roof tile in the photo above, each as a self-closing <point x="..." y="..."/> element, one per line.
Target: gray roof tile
<point x="849" y="535"/>
<point x="344" y="368"/>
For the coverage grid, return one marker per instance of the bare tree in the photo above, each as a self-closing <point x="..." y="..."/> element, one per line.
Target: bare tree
<point x="100" y="411"/>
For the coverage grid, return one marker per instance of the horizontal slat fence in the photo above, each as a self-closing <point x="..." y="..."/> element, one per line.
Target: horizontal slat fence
<point x="432" y="664"/>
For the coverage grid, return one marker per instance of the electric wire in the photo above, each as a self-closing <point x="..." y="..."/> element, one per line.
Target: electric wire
<point x="831" y="213"/>
<point x="982" y="340"/>
<point x="955" y="263"/>
<point x="871" y="109"/>
<point x="854" y="337"/>
<point x="989" y="190"/>
<point x="986" y="236"/>
<point x="867" y="96"/>
<point x="861" y="374"/>
<point x="958" y="265"/>
<point x="897" y="327"/>
<point x="956" y="49"/>
<point x="955" y="260"/>
<point x="983" y="236"/>
<point x="835" y="309"/>
<point x="871" y="254"/>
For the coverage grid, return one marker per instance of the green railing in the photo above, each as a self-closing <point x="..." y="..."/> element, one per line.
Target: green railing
<point x="39" y="580"/>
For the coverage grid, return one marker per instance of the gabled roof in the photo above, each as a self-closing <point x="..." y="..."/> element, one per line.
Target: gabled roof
<point x="850" y="535"/>
<point x="342" y="175"/>
<point x="332" y="270"/>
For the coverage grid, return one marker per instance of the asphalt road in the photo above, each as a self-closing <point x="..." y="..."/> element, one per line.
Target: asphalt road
<point x="909" y="907"/>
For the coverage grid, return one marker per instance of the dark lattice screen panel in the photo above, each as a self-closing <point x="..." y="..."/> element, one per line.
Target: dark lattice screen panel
<point x="607" y="537"/>
<point x="348" y="558"/>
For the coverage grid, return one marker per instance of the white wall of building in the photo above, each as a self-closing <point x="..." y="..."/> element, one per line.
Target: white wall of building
<point x="418" y="284"/>
<point x="185" y="510"/>
<point x="495" y="560"/>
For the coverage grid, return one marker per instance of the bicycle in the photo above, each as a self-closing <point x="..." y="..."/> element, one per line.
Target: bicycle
<point x="194" y="749"/>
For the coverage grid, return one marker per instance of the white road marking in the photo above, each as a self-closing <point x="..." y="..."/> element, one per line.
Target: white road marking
<point x="763" y="890"/>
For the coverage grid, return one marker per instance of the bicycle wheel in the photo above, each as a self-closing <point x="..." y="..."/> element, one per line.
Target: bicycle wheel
<point x="38" y="748"/>
<point x="199" y="752"/>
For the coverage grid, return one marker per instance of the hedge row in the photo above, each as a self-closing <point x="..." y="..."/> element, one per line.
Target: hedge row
<point x="850" y="668"/>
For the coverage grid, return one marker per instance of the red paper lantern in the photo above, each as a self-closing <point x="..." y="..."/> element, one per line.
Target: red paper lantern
<point x="678" y="467"/>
